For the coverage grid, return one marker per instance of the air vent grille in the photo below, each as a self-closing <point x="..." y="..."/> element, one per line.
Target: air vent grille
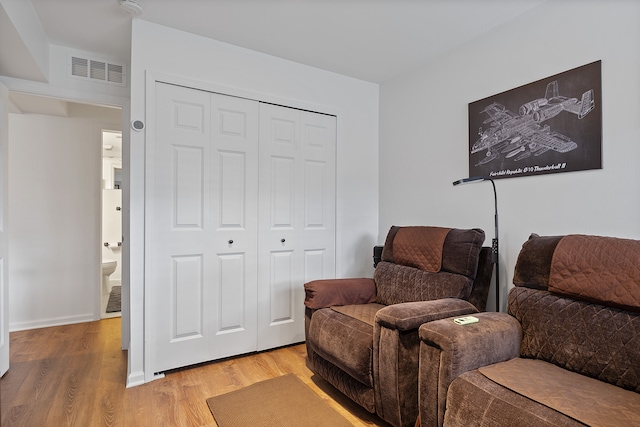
<point x="79" y="67"/>
<point x="115" y="73"/>
<point x="96" y="70"/>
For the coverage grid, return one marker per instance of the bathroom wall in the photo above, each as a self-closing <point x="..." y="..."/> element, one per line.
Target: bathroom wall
<point x="54" y="212"/>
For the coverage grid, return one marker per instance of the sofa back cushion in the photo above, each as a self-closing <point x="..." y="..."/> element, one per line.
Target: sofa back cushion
<point x="456" y="250"/>
<point x="419" y="247"/>
<point x="602" y="270"/>
<point x="591" y="339"/>
<point x="534" y="261"/>
<point x="409" y="269"/>
<point x="398" y="283"/>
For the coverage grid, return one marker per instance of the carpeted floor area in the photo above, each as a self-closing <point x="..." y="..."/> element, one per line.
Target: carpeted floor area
<point x="282" y="401"/>
<point x="115" y="298"/>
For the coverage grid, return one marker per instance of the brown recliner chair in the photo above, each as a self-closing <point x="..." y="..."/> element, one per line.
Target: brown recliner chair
<point x="362" y="334"/>
<point x="567" y="353"/>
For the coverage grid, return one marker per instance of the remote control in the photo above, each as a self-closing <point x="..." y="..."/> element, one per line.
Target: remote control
<point x="466" y="320"/>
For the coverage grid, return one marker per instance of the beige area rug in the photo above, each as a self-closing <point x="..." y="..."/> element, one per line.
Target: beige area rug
<point x="278" y="402"/>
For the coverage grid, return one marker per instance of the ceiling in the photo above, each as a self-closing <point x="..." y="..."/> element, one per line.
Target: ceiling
<point x="372" y="40"/>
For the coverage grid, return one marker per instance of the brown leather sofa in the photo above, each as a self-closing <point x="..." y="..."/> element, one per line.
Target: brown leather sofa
<point x="362" y="334"/>
<point x="567" y="353"/>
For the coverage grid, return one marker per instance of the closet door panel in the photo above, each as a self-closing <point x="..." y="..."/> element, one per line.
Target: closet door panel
<point x="178" y="208"/>
<point x="188" y="174"/>
<point x="231" y="309"/>
<point x="282" y="193"/>
<point x="319" y="160"/>
<point x="234" y="136"/>
<point x="281" y="298"/>
<point x="297" y="164"/>
<point x="186" y="298"/>
<point x="202" y="240"/>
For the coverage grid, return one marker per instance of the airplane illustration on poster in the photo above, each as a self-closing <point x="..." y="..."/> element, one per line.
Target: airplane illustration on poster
<point x="509" y="143"/>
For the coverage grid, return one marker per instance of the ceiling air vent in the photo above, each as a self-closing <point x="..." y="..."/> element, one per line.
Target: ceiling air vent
<point x="96" y="70"/>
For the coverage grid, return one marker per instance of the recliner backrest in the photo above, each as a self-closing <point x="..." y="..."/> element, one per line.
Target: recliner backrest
<point x="459" y="249"/>
<point x="409" y="273"/>
<point x="592" y="329"/>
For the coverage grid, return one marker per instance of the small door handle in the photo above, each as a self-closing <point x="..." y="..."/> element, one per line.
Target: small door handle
<point x="283" y="240"/>
<point x="231" y="242"/>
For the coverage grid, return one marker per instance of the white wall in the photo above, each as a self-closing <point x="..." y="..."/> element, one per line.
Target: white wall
<point x="213" y="65"/>
<point x="424" y="131"/>
<point x="54" y="209"/>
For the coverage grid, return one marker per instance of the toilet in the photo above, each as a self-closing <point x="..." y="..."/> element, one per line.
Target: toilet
<point x="108" y="267"/>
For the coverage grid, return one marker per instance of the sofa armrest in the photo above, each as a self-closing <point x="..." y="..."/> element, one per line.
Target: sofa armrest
<point x="396" y="352"/>
<point x="332" y="292"/>
<point x="495" y="338"/>
<point x="410" y="315"/>
<point x="448" y="350"/>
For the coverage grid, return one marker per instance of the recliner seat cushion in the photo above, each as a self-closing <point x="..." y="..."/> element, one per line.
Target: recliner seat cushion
<point x="582" y="398"/>
<point x="475" y="400"/>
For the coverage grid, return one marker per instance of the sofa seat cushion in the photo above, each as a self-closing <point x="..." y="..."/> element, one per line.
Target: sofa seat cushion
<point x="585" y="399"/>
<point x="475" y="400"/>
<point x="363" y="312"/>
<point x="345" y="341"/>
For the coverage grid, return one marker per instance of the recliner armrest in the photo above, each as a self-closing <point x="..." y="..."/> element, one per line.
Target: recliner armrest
<point x="495" y="338"/>
<point x="332" y="292"/>
<point x="410" y="315"/>
<point x="448" y="350"/>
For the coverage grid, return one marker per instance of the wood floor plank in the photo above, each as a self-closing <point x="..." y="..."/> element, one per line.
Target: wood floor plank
<point x="75" y="375"/>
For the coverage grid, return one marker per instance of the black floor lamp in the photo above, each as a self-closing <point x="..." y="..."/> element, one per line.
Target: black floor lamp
<point x="494" y="242"/>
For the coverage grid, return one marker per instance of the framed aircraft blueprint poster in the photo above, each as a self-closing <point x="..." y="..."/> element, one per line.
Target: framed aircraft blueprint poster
<point x="552" y="125"/>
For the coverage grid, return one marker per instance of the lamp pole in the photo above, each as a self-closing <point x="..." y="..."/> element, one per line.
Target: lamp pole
<point x="494" y="241"/>
<point x="494" y="245"/>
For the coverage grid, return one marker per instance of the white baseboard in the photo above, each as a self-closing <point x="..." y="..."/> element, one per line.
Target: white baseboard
<point x="135" y="379"/>
<point x="56" y="321"/>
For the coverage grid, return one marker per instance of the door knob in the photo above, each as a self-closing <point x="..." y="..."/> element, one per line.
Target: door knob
<point x="283" y="240"/>
<point x="231" y="242"/>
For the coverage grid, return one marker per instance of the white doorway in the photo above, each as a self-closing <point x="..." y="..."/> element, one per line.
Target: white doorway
<point x="111" y="218"/>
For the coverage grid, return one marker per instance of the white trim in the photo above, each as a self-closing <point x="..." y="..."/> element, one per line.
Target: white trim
<point x="63" y="93"/>
<point x="53" y="321"/>
<point x="135" y="379"/>
<point x="239" y="93"/>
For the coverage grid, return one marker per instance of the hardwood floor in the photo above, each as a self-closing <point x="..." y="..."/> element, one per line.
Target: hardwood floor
<point x="74" y="375"/>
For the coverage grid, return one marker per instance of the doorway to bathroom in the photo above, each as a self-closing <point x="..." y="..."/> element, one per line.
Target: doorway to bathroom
<point x="111" y="283"/>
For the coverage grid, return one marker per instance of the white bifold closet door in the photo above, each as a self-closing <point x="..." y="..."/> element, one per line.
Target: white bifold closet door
<point x="296" y="241"/>
<point x="240" y="213"/>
